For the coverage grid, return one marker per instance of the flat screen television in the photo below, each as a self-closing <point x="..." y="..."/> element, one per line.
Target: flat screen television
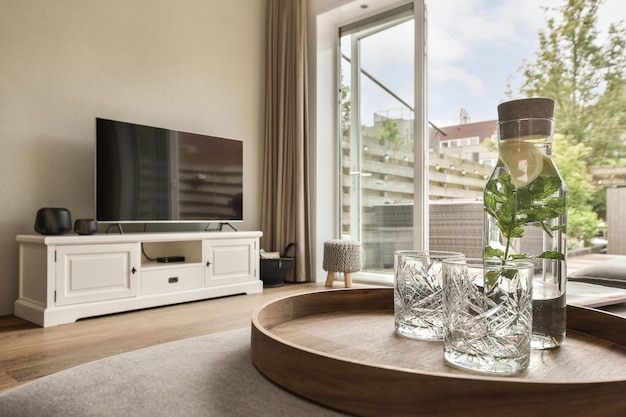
<point x="148" y="174"/>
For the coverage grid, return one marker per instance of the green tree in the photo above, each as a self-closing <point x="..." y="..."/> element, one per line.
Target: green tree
<point x="346" y="109"/>
<point x="571" y="160"/>
<point x="390" y="132"/>
<point x="586" y="78"/>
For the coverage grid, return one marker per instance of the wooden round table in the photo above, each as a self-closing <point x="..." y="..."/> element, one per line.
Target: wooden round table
<point x="339" y="348"/>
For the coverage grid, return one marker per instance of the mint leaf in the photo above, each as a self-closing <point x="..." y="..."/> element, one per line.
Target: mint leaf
<point x="493" y="253"/>
<point x="491" y="278"/>
<point x="513" y="208"/>
<point x="552" y="255"/>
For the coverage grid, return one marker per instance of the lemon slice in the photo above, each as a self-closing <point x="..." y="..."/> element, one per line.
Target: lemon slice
<point x="523" y="160"/>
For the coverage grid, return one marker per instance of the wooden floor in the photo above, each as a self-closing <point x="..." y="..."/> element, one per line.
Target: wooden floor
<point x="28" y="352"/>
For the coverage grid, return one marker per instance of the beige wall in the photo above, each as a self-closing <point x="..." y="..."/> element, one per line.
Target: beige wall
<point x="192" y="65"/>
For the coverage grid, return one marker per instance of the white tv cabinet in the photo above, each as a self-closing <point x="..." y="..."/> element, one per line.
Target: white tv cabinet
<point x="64" y="278"/>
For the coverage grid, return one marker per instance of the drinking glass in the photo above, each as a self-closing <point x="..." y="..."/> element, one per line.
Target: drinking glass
<point x="487" y="313"/>
<point x="417" y="293"/>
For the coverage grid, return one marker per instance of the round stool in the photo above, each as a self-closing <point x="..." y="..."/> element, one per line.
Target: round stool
<point x="341" y="256"/>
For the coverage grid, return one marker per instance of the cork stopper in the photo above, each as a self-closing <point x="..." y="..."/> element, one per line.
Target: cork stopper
<point x="526" y="118"/>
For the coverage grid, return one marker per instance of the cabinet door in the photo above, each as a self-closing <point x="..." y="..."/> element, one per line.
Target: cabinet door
<point x="86" y="273"/>
<point x="231" y="261"/>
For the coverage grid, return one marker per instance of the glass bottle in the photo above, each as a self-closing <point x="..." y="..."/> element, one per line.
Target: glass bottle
<point x="525" y="203"/>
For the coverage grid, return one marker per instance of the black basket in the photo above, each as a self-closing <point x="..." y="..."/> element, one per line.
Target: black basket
<point x="274" y="271"/>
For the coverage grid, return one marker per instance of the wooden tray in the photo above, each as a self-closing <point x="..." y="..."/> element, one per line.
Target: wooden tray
<point x="339" y="348"/>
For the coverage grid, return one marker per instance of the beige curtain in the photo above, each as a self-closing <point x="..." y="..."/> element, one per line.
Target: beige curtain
<point x="285" y="207"/>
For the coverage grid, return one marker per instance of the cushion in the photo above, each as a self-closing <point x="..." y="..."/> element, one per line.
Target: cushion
<point x="611" y="273"/>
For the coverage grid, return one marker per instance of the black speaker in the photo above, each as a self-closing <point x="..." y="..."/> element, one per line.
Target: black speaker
<point x="53" y="221"/>
<point x="85" y="226"/>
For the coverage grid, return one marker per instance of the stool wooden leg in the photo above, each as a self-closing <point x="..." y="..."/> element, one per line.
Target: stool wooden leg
<point x="330" y="278"/>
<point x="347" y="277"/>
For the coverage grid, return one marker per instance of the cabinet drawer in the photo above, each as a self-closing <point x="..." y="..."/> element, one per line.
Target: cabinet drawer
<point x="171" y="279"/>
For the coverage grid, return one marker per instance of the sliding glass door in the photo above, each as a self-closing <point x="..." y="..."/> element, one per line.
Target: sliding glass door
<point x="377" y="121"/>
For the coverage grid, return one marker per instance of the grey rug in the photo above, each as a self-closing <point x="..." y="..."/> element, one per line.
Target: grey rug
<point x="209" y="375"/>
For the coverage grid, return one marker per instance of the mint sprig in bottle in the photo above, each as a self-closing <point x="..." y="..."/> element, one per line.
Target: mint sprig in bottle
<point x="525" y="203"/>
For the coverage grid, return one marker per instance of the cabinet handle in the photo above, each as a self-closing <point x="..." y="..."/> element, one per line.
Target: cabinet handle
<point x="172" y="280"/>
<point x="133" y="270"/>
<point x="208" y="264"/>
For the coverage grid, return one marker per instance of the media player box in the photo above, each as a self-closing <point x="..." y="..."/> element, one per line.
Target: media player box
<point x="167" y="259"/>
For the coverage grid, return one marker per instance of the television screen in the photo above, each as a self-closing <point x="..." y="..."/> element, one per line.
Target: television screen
<point x="150" y="174"/>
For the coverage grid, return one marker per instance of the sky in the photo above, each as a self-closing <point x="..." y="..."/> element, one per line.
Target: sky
<point x="476" y="45"/>
<point x="475" y="48"/>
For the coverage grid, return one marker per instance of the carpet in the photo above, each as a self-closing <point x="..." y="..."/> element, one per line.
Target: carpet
<point x="210" y="375"/>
